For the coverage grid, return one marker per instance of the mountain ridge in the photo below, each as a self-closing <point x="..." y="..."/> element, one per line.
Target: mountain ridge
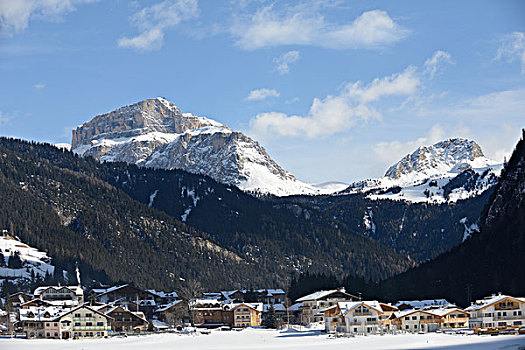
<point x="155" y="133"/>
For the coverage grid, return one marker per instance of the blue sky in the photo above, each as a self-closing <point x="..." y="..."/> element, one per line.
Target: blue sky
<point x="334" y="90"/>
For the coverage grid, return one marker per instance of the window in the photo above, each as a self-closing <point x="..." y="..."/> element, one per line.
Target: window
<point x="89" y="315"/>
<point x="77" y="324"/>
<point x="55" y="324"/>
<point x="414" y="318"/>
<point x="47" y="324"/>
<point x="89" y="324"/>
<point x="48" y="334"/>
<point x="56" y="334"/>
<point x="100" y="324"/>
<point x="406" y="326"/>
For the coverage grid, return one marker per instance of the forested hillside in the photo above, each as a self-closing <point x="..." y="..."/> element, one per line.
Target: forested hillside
<point x="420" y="230"/>
<point x="73" y="209"/>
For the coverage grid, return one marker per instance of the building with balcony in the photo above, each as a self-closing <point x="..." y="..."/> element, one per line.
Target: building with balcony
<point x="123" y="320"/>
<point x="40" y="321"/>
<point x="356" y="317"/>
<point x="416" y="321"/>
<point x="313" y="304"/>
<point x="245" y="314"/>
<point x="84" y="322"/>
<point x="497" y="311"/>
<point x="66" y="296"/>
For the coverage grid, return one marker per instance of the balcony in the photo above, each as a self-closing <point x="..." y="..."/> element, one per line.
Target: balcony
<point x="509" y="317"/>
<point x="92" y="328"/>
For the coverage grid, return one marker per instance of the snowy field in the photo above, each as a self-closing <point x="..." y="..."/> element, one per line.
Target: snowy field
<point x="254" y="339"/>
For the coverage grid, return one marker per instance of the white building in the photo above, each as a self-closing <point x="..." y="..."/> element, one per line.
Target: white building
<point x="67" y="296"/>
<point x="497" y="311"/>
<point x="356" y="317"/>
<point x="416" y="321"/>
<point x="313" y="304"/>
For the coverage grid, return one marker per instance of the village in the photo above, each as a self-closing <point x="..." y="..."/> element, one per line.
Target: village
<point x="67" y="312"/>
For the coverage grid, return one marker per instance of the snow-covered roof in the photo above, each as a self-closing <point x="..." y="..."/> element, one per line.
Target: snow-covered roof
<point x="75" y="289"/>
<point x="165" y="307"/>
<point x="253" y="306"/>
<point x="163" y="294"/>
<point x="347" y="307"/>
<point x="445" y="311"/>
<point x="439" y="312"/>
<point x="276" y="307"/>
<point x="321" y="294"/>
<point x="41" y="313"/>
<point x="423" y="304"/>
<point x="483" y="303"/>
<point x="160" y="325"/>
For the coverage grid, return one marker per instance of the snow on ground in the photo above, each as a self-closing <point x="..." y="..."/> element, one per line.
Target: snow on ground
<point x="32" y="259"/>
<point x="254" y="339"/>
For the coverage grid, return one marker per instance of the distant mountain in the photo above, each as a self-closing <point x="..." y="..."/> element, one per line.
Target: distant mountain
<point x="447" y="171"/>
<point x="155" y="133"/>
<point x="488" y="261"/>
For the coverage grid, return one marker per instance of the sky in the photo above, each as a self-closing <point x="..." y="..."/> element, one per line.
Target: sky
<point x="334" y="90"/>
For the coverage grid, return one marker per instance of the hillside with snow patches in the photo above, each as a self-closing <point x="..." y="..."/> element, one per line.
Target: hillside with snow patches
<point x="447" y="171"/>
<point x="155" y="133"/>
<point x="33" y="261"/>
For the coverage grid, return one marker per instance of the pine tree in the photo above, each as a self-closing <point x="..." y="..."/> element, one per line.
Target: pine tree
<point x="270" y="321"/>
<point x="14" y="261"/>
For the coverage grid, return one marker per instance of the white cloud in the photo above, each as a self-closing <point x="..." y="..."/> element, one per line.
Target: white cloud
<point x="4" y="118"/>
<point x="283" y="62"/>
<point x="152" y="21"/>
<point x="302" y="25"/>
<point x="434" y="64"/>
<point x="261" y="94"/>
<point x="338" y="113"/>
<point x="404" y="83"/>
<point x="39" y="86"/>
<point x="513" y="48"/>
<point x="16" y="14"/>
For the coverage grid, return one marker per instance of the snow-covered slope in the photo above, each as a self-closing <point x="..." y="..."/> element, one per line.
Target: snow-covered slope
<point x="32" y="260"/>
<point x="449" y="170"/>
<point x="154" y="133"/>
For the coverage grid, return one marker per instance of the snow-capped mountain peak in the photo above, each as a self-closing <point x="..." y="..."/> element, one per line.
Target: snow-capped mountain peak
<point x="452" y="155"/>
<point x="155" y="133"/>
<point x="446" y="171"/>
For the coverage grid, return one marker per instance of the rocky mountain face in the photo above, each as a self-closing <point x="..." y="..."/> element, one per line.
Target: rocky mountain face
<point x="452" y="155"/>
<point x="447" y="171"/>
<point x="155" y="133"/>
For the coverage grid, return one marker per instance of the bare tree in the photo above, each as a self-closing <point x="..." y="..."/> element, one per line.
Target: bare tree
<point x="191" y="289"/>
<point x="287" y="304"/>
